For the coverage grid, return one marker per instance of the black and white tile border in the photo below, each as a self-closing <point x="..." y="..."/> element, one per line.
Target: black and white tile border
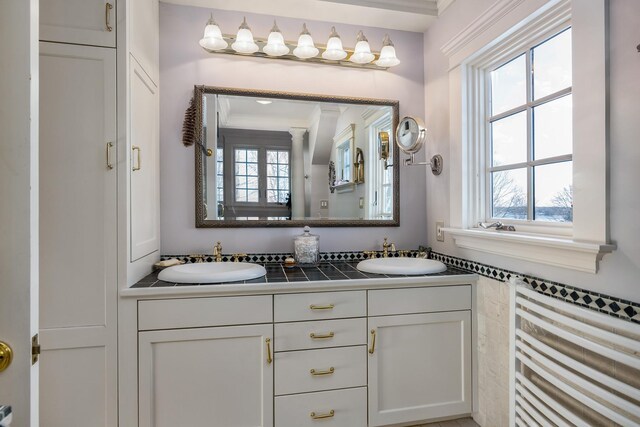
<point x="617" y="307"/>
<point x="280" y="257"/>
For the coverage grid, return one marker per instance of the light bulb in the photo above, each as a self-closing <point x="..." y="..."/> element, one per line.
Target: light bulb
<point x="212" y="39"/>
<point x="334" y="50"/>
<point x="387" y="54"/>
<point x="305" y="49"/>
<point x="362" y="53"/>
<point x="244" y="40"/>
<point x="275" y="43"/>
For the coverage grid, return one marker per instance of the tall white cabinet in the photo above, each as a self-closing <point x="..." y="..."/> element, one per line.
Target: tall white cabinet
<point x="78" y="230"/>
<point x="99" y="218"/>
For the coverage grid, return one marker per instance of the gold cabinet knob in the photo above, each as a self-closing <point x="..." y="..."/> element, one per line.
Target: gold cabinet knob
<point x="6" y="356"/>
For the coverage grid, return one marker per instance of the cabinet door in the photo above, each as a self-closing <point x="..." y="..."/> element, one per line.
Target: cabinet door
<point x="78" y="283"/>
<point x="144" y="29"/>
<point x="144" y="167"/>
<point x="215" y="377"/>
<point x="420" y="368"/>
<point x="79" y="22"/>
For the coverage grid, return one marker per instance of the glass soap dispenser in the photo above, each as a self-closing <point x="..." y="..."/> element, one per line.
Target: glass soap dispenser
<point x="307" y="248"/>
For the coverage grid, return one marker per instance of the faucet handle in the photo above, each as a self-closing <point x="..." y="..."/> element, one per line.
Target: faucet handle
<point x="236" y="257"/>
<point x="403" y="253"/>
<point x="198" y="258"/>
<point x="370" y="254"/>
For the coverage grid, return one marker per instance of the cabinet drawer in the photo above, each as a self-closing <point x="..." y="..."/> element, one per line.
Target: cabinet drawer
<point x="196" y="312"/>
<point x="317" y="370"/>
<point x="320" y="305"/>
<point x="419" y="300"/>
<point x="341" y="408"/>
<point x="320" y="334"/>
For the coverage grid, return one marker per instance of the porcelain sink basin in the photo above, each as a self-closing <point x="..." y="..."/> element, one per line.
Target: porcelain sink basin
<point x="408" y="266"/>
<point x="212" y="272"/>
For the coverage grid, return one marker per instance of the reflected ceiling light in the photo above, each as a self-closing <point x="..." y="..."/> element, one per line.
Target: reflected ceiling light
<point x="305" y="49"/>
<point x="275" y="43"/>
<point x="387" y="54"/>
<point x="244" y="40"/>
<point x="212" y="38"/>
<point x="362" y="53"/>
<point x="263" y="101"/>
<point x="334" y="51"/>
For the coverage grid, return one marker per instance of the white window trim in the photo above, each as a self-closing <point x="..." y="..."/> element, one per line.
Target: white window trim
<point x="375" y="122"/>
<point x="505" y="29"/>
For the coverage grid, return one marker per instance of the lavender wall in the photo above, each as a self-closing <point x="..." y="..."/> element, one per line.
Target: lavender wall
<point x="620" y="270"/>
<point x="184" y="64"/>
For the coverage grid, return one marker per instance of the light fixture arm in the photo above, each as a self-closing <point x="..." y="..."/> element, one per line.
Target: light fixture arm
<point x="436" y="163"/>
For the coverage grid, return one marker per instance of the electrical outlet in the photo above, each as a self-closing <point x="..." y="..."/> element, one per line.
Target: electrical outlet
<point x="324" y="204"/>
<point x="439" y="231"/>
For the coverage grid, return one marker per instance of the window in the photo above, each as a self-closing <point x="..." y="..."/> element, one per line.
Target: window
<point x="220" y="175"/>
<point x="514" y="31"/>
<point x="380" y="172"/>
<point x="344" y="161"/>
<point x="529" y="157"/>
<point x="261" y="175"/>
<point x="277" y="176"/>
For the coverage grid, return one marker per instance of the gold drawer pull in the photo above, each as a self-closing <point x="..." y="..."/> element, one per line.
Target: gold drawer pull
<point x="139" y="165"/>
<point x="109" y="162"/>
<point x="269" y="356"/>
<point x="329" y="414"/>
<point x="329" y="371"/>
<point x="321" y="336"/>
<point x="107" y="16"/>
<point x="373" y="341"/>
<point x="322" y="307"/>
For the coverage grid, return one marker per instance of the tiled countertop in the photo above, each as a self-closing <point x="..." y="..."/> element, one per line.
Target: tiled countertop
<point x="326" y="276"/>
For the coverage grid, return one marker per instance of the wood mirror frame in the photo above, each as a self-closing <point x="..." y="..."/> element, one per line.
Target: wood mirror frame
<point x="202" y="222"/>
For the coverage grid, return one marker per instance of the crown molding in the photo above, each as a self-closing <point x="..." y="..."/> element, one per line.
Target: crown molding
<point x="482" y="23"/>
<point x="420" y="7"/>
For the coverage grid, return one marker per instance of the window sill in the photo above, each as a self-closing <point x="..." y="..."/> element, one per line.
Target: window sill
<point x="556" y="251"/>
<point x="346" y="187"/>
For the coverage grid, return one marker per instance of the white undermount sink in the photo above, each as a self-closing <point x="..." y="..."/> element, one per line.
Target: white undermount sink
<point x="409" y="266"/>
<point x="212" y="272"/>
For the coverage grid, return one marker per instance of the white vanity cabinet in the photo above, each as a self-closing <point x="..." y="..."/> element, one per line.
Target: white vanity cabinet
<point x="194" y="375"/>
<point x="321" y="359"/>
<point x="419" y="364"/>
<point x="206" y="360"/>
<point x="86" y="22"/>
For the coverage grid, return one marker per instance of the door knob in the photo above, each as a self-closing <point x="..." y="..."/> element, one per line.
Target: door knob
<point x="6" y="356"/>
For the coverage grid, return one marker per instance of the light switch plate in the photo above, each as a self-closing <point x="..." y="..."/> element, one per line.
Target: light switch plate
<point x="324" y="204"/>
<point x="361" y="203"/>
<point x="439" y="232"/>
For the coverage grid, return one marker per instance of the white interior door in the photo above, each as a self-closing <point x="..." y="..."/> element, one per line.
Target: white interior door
<point x="215" y="377"/>
<point x="19" y="205"/>
<point x="78" y="231"/>
<point x="420" y="368"/>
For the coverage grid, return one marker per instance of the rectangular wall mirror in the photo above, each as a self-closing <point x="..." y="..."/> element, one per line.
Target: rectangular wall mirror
<point x="286" y="159"/>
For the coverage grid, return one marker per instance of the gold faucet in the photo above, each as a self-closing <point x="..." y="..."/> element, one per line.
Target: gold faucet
<point x="217" y="252"/>
<point x="386" y="247"/>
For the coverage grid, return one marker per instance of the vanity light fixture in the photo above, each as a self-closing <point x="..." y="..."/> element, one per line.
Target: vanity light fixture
<point x="388" y="56"/>
<point x="275" y="43"/>
<point x="275" y="46"/>
<point x="334" y="50"/>
<point x="362" y="54"/>
<point x="244" y="40"/>
<point x="306" y="48"/>
<point x="212" y="39"/>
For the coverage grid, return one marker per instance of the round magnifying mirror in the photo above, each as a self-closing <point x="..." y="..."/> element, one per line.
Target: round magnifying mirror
<point x="410" y="135"/>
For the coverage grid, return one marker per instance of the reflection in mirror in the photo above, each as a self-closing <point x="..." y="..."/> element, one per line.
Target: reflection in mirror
<point x="265" y="158"/>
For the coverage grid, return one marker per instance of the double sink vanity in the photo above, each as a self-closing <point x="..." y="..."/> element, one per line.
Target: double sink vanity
<point x="377" y="343"/>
